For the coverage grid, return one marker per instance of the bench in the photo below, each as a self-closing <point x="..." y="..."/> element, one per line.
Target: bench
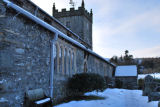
<point x="37" y="98"/>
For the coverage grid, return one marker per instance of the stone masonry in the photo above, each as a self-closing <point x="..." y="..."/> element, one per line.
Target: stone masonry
<point x="79" y="21"/>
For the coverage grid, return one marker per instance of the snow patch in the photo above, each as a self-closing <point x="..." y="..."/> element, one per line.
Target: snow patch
<point x="114" y="98"/>
<point x="42" y="101"/>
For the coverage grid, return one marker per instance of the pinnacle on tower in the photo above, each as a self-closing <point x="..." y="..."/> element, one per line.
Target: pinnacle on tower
<point x="53" y="4"/>
<point x="82" y="3"/>
<point x="91" y="12"/>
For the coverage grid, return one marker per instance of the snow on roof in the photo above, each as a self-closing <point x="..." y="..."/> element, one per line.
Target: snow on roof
<point x="108" y="59"/>
<point x="129" y="70"/>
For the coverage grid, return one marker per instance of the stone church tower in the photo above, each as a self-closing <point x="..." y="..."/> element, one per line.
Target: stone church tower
<point x="79" y="21"/>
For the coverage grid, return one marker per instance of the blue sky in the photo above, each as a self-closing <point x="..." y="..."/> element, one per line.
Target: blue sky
<point x="119" y="25"/>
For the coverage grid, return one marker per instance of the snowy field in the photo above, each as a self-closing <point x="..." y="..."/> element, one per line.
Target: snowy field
<point x="115" y="98"/>
<point x="156" y="75"/>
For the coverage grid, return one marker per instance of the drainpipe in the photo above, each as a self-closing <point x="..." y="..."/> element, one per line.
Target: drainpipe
<point x="53" y="55"/>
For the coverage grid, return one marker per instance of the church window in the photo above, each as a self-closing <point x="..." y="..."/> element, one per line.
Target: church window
<point x="68" y="24"/>
<point x="61" y="60"/>
<point x="65" y="61"/>
<point x="69" y="63"/>
<point x="73" y="62"/>
<point x="56" y="61"/>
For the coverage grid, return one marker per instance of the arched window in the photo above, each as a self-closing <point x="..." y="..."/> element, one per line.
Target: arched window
<point x="60" y="60"/>
<point x="73" y="63"/>
<point x="65" y="61"/>
<point x="56" y="59"/>
<point x="69" y="63"/>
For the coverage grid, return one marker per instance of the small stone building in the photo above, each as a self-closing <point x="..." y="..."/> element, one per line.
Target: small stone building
<point x="127" y="76"/>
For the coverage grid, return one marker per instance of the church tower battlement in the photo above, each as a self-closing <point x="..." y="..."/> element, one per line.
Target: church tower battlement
<point x="79" y="21"/>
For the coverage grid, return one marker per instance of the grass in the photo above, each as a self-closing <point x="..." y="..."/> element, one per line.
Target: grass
<point x="79" y="98"/>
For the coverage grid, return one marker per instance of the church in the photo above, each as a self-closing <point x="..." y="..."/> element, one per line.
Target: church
<point x="40" y="51"/>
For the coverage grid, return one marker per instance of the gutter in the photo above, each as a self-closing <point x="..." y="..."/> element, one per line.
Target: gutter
<point x="52" y="29"/>
<point x="52" y="64"/>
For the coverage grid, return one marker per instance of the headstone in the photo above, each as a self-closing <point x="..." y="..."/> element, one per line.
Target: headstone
<point x="148" y="85"/>
<point x="4" y="102"/>
<point x="154" y="96"/>
<point x="159" y="104"/>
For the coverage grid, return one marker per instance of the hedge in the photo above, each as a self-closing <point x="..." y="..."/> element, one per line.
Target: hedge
<point x="86" y="82"/>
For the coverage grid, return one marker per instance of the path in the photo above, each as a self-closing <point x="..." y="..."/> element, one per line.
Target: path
<point x="115" y="98"/>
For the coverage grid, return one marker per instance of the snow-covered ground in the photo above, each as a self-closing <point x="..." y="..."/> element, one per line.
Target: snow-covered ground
<point x="115" y="98"/>
<point x="156" y="75"/>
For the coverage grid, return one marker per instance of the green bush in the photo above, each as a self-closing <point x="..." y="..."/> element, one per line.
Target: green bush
<point x="86" y="82"/>
<point x="140" y="84"/>
<point x="157" y="80"/>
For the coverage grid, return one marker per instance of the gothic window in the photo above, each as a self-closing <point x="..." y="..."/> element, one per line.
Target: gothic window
<point x="68" y="24"/>
<point x="56" y="60"/>
<point x="65" y="61"/>
<point x="73" y="63"/>
<point x="69" y="63"/>
<point x="60" y="59"/>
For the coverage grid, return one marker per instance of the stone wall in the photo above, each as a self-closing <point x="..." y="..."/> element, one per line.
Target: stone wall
<point x="128" y="82"/>
<point x="24" y="56"/>
<point x="37" y="11"/>
<point x="25" y="49"/>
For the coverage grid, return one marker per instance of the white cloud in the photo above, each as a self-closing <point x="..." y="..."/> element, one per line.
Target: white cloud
<point x="130" y="26"/>
<point x="148" y="52"/>
<point x="127" y="28"/>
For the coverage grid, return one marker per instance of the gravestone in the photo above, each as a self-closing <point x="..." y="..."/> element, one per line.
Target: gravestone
<point x="159" y="104"/>
<point x="148" y="85"/>
<point x="155" y="95"/>
<point x="4" y="102"/>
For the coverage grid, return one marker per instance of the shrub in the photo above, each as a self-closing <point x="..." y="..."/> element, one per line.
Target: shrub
<point x="140" y="83"/>
<point x="109" y="82"/>
<point x="157" y="80"/>
<point x="86" y="82"/>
